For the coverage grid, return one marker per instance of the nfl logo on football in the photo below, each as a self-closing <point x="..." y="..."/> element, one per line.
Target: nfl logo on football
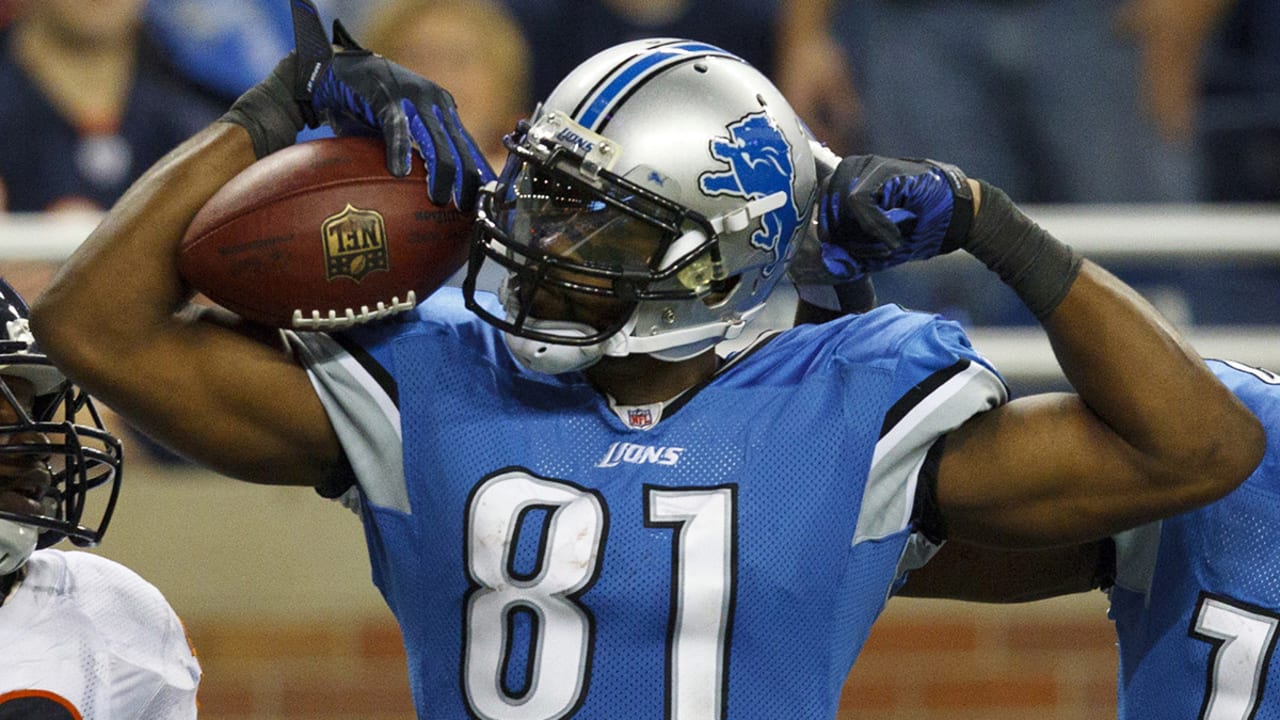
<point x="355" y="243"/>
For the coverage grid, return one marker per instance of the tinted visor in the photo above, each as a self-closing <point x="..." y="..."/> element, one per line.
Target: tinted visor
<point x="547" y="215"/>
<point x="577" y="248"/>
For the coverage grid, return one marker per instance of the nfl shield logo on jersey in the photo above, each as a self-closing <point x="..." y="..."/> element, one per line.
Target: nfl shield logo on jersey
<point x="639" y="417"/>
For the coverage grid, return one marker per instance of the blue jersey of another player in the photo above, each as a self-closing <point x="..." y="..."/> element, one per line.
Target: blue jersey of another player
<point x="550" y="554"/>
<point x="1197" y="597"/>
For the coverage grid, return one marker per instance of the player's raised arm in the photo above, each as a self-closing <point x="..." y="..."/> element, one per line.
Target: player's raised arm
<point x="976" y="573"/>
<point x="1151" y="432"/>
<point x="219" y="391"/>
<point x="114" y="319"/>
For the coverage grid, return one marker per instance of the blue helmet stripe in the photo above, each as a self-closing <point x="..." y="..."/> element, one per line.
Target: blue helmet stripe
<point x="637" y="70"/>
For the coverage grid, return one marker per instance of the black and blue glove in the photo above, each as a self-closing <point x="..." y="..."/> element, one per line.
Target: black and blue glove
<point x="356" y="91"/>
<point x="878" y="212"/>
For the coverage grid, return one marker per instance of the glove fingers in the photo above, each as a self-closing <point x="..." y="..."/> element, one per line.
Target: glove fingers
<point x="464" y="169"/>
<point x="343" y="39"/>
<point x="903" y="219"/>
<point x="840" y="263"/>
<point x="482" y="166"/>
<point x="395" y="133"/>
<point x="473" y="168"/>
<point x="433" y="146"/>
<point x="880" y="235"/>
<point x="847" y="173"/>
<point x="312" y="48"/>
<point x="851" y="204"/>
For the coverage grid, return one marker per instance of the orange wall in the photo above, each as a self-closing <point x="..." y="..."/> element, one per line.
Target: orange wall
<point x="925" y="660"/>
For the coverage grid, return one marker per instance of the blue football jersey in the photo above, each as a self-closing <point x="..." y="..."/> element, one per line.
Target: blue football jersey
<point x="551" y="555"/>
<point x="1196" y="603"/>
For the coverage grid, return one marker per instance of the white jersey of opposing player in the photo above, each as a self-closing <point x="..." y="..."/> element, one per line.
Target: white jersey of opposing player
<point x="85" y="637"/>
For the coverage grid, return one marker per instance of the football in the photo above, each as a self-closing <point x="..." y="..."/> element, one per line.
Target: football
<point x="320" y="236"/>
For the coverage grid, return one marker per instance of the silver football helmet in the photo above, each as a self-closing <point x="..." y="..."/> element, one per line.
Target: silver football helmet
<point x="53" y="448"/>
<point x="649" y="206"/>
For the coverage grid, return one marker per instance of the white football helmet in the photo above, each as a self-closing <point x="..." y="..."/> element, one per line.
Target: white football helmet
<point x="649" y="206"/>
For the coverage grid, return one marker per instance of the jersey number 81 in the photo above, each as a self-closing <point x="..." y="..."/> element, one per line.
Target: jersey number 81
<point x="561" y="627"/>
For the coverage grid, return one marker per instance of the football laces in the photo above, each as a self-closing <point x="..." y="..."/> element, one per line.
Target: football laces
<point x="322" y="321"/>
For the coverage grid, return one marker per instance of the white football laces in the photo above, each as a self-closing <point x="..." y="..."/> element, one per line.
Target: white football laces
<point x="320" y="321"/>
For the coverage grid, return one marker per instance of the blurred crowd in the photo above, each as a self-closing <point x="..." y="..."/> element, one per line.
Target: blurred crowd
<point x="1057" y="101"/>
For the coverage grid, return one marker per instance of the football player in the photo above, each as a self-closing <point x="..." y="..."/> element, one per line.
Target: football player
<point x="573" y="505"/>
<point x="1194" y="598"/>
<point x="83" y="637"/>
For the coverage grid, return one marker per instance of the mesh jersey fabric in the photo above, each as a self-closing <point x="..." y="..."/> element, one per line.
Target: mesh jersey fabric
<point x="1196" y="603"/>
<point x="85" y="633"/>
<point x="545" y="560"/>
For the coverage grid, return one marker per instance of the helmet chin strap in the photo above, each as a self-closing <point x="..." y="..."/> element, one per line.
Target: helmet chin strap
<point x="555" y="358"/>
<point x="674" y="346"/>
<point x="17" y="542"/>
<point x="681" y="344"/>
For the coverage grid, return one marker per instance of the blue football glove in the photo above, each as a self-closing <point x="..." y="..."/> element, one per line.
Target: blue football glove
<point x="878" y="212"/>
<point x="356" y="91"/>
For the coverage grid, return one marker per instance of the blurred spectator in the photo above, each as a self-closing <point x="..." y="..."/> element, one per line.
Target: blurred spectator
<point x="814" y="72"/>
<point x="1053" y="100"/>
<point x="563" y="33"/>
<point x="1239" y="120"/>
<point x="1171" y="36"/>
<point x="90" y="103"/>
<point x="227" y="46"/>
<point x="473" y="48"/>
<point x="7" y="10"/>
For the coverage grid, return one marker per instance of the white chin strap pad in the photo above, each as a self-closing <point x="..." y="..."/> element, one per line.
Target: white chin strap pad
<point x="554" y="358"/>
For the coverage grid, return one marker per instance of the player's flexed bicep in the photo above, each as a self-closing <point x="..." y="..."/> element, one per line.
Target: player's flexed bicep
<point x="1150" y="431"/>
<point x="1060" y="468"/>
<point x="236" y="403"/>
<point x="213" y="393"/>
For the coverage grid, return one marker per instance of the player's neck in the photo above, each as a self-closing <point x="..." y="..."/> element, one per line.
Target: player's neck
<point x="644" y="379"/>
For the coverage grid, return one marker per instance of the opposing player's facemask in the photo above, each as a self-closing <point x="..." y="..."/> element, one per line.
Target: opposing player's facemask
<point x="649" y="207"/>
<point x="53" y="448"/>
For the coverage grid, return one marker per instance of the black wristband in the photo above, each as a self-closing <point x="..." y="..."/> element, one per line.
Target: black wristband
<point x="268" y="111"/>
<point x="1038" y="267"/>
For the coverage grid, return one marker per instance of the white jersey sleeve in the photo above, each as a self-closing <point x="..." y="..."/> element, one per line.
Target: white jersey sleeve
<point x="89" y="636"/>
